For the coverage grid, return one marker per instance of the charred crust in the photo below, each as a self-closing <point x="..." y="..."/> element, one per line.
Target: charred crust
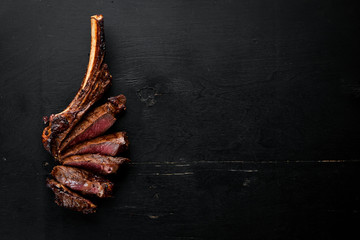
<point x="45" y="119"/>
<point x="126" y="139"/>
<point x="46" y="138"/>
<point x="66" y="174"/>
<point x="118" y="103"/>
<point x="59" y="124"/>
<point x="64" y="197"/>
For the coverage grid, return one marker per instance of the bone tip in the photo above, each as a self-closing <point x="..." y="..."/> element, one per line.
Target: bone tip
<point x="98" y="17"/>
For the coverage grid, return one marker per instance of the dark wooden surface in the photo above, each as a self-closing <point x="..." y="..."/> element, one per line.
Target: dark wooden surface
<point x="240" y="117"/>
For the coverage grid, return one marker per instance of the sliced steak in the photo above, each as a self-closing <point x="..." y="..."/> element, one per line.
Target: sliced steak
<point x="97" y="79"/>
<point x="64" y="197"/>
<point x="110" y="144"/>
<point x="82" y="181"/>
<point x="96" y="163"/>
<point x="96" y="122"/>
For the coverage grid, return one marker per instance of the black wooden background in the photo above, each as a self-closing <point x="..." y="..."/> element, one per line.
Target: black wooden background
<point x="243" y="117"/>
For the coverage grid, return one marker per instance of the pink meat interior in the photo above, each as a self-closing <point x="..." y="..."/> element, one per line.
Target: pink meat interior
<point x="97" y="128"/>
<point x="105" y="148"/>
<point x="87" y="187"/>
<point x="93" y="166"/>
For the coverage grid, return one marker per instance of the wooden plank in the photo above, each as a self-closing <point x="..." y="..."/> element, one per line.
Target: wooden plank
<point x="234" y="110"/>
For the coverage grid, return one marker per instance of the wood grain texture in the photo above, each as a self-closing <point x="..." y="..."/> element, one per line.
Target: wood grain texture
<point x="233" y="109"/>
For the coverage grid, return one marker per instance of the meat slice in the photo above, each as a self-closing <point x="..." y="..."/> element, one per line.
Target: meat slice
<point x="64" y="197"/>
<point x="111" y="144"/>
<point x="96" y="122"/>
<point x="97" y="79"/>
<point x="82" y="181"/>
<point x="96" y="163"/>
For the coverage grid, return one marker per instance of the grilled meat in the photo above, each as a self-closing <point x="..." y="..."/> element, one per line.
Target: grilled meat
<point x="82" y="181"/>
<point x="110" y="144"/>
<point x="97" y="79"/>
<point x="72" y="135"/>
<point x="64" y="197"/>
<point x="96" y="122"/>
<point x="96" y="163"/>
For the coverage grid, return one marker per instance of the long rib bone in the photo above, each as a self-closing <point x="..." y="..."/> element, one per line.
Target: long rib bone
<point x="97" y="79"/>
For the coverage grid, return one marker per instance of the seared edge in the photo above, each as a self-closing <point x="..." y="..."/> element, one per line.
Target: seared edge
<point x="96" y="163"/>
<point x="64" y="197"/>
<point x="83" y="181"/>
